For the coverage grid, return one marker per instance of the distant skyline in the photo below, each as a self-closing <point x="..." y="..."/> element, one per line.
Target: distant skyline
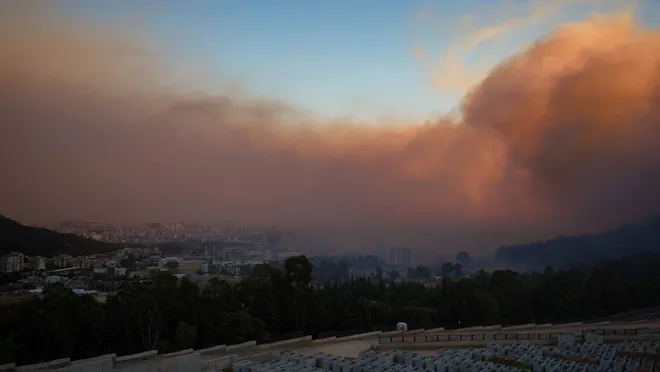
<point x="366" y="60"/>
<point x="328" y="117"/>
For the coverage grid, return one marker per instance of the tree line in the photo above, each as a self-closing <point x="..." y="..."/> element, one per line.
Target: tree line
<point x="170" y="314"/>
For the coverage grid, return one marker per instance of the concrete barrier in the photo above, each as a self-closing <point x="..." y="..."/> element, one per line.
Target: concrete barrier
<point x="112" y="356"/>
<point x="103" y="363"/>
<point x="415" y="331"/>
<point x="262" y="357"/>
<point x="405" y="333"/>
<point x="546" y="325"/>
<point x="177" y="353"/>
<point x="135" y="357"/>
<point x="474" y="328"/>
<point x="53" y="364"/>
<point x="213" y="350"/>
<point x="479" y="328"/>
<point x="7" y="367"/>
<point x="390" y="333"/>
<point x="242" y="346"/>
<point x="435" y="330"/>
<point x="607" y="322"/>
<point x="562" y="325"/>
<point x="520" y="326"/>
<point x="361" y="335"/>
<point x="218" y="364"/>
<point x="324" y="340"/>
<point x="285" y="342"/>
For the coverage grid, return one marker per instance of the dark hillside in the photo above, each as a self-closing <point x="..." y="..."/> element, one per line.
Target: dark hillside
<point x="584" y="250"/>
<point x="34" y="241"/>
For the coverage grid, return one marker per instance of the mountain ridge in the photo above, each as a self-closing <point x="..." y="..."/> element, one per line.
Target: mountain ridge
<point x="37" y="241"/>
<point x="583" y="250"/>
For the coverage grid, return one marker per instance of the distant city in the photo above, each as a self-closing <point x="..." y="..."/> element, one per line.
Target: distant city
<point x="191" y="250"/>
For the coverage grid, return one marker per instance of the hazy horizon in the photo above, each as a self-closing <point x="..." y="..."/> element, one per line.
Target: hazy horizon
<point x="120" y="119"/>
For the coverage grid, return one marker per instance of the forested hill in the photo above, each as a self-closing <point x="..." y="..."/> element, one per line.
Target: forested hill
<point x="34" y="241"/>
<point x="575" y="251"/>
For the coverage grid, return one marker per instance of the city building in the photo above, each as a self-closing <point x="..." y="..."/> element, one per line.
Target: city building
<point x="53" y="279"/>
<point x="81" y="263"/>
<point x="12" y="262"/>
<point x="37" y="263"/>
<point x="189" y="266"/>
<point x="232" y="254"/>
<point x="400" y="256"/>
<point x="63" y="260"/>
<point x="169" y="262"/>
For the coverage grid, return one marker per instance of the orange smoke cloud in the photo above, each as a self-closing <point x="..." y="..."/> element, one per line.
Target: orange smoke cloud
<point x="559" y="135"/>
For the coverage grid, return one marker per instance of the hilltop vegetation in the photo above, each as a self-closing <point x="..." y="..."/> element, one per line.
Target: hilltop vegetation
<point x="34" y="241"/>
<point x="576" y="251"/>
<point x="170" y="314"/>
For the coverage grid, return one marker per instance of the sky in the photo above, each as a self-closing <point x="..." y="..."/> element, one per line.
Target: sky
<point x="281" y="49"/>
<point x="358" y="57"/>
<point x="439" y="127"/>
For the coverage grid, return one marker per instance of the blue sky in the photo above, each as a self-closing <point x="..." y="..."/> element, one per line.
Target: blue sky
<point x="334" y="58"/>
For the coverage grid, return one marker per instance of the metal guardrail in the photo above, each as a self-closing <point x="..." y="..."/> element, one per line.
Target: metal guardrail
<point x="497" y="336"/>
<point x="611" y="332"/>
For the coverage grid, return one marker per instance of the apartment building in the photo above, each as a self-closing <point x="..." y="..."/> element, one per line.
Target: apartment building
<point x="12" y="262"/>
<point x="400" y="256"/>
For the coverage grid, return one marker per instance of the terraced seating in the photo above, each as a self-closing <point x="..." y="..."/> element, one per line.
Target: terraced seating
<point x="568" y="356"/>
<point x="372" y="361"/>
<point x="591" y="356"/>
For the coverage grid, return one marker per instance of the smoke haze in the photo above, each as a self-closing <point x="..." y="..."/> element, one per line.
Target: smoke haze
<point x="561" y="137"/>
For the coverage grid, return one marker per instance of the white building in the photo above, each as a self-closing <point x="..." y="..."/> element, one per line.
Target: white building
<point x="400" y="256"/>
<point x="204" y="267"/>
<point x="169" y="260"/>
<point x="12" y="262"/>
<point x="53" y="279"/>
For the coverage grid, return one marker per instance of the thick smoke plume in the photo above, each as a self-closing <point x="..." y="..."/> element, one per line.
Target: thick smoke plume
<point x="562" y="136"/>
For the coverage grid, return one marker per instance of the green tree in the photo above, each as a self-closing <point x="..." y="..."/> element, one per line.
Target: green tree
<point x="299" y="270"/>
<point x="171" y="314"/>
<point x="457" y="270"/>
<point x="464" y="259"/>
<point x="447" y="269"/>
<point x="186" y="334"/>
